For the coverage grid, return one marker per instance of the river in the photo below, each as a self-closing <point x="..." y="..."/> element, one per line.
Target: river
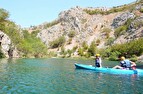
<point x="59" y="76"/>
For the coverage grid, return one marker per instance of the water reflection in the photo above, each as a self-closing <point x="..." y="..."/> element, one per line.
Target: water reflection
<point x="3" y="65"/>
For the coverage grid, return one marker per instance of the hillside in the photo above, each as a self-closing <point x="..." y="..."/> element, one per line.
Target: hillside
<point x="80" y="32"/>
<point x="103" y="26"/>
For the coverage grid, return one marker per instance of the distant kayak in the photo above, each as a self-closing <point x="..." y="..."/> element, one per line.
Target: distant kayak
<point x="108" y="70"/>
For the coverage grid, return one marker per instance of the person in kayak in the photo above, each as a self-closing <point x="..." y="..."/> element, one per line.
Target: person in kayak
<point x="98" y="60"/>
<point x="125" y="64"/>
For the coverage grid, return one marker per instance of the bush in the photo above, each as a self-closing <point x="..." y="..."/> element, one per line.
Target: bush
<point x="74" y="48"/>
<point x="1" y="54"/>
<point x="58" y="42"/>
<point x="87" y="55"/>
<point x="84" y="45"/>
<point x="98" y="41"/>
<point x="114" y="56"/>
<point x="69" y="52"/>
<point x="110" y="41"/>
<point x="141" y="10"/>
<point x="112" y="10"/>
<point x="134" y="47"/>
<point x="3" y="15"/>
<point x="51" y="24"/>
<point x="80" y="52"/>
<point x="107" y="32"/>
<point x="69" y="41"/>
<point x="120" y="30"/>
<point x="92" y="48"/>
<point x="71" y="34"/>
<point x="134" y="58"/>
<point x="31" y="46"/>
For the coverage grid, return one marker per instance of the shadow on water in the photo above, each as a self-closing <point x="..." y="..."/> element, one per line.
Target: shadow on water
<point x="140" y="66"/>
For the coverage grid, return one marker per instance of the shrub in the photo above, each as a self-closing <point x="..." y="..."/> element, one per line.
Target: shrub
<point x="52" y="54"/>
<point x="80" y="52"/>
<point x="58" y="42"/>
<point x="1" y="54"/>
<point x="31" y="46"/>
<point x="84" y="45"/>
<point x="74" y="48"/>
<point x="134" y="47"/>
<point x="51" y="24"/>
<point x="92" y="48"/>
<point x="120" y="30"/>
<point x="110" y="41"/>
<point x="106" y="31"/>
<point x="112" y="10"/>
<point x="69" y="52"/>
<point x="3" y="15"/>
<point x="141" y="10"/>
<point x="69" y="41"/>
<point x="83" y="21"/>
<point x="87" y="55"/>
<point x="71" y="34"/>
<point x="134" y="58"/>
<point x="97" y="41"/>
<point x="114" y="56"/>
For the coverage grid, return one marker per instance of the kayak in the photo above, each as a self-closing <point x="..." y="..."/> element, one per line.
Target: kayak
<point x="109" y="70"/>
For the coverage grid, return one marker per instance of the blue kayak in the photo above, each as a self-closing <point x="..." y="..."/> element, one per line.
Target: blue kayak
<point x="109" y="70"/>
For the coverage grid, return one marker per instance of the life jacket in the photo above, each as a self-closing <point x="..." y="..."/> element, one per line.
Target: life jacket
<point x="97" y="62"/>
<point x="126" y="64"/>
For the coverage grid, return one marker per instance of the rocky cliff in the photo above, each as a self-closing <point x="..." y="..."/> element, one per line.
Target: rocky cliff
<point x="121" y="26"/>
<point x="82" y="26"/>
<point x="86" y="27"/>
<point x="7" y="48"/>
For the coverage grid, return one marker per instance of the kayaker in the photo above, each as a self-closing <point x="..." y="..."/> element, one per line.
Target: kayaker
<point x="98" y="60"/>
<point x="125" y="64"/>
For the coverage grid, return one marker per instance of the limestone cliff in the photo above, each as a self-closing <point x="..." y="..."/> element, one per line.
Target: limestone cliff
<point x="74" y="30"/>
<point x="7" y="47"/>
<point x="86" y="27"/>
<point x="124" y="24"/>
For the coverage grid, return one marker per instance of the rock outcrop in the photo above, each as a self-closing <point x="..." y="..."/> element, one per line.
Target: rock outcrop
<point x="7" y="47"/>
<point x="121" y="19"/>
<point x="87" y="27"/>
<point x="128" y="24"/>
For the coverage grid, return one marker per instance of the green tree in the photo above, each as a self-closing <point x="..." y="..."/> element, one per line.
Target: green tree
<point x="3" y="18"/>
<point x="3" y="15"/>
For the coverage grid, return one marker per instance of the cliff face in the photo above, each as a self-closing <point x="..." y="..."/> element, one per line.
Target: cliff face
<point x="7" y="47"/>
<point x="78" y="25"/>
<point x="122" y="26"/>
<point x="87" y="27"/>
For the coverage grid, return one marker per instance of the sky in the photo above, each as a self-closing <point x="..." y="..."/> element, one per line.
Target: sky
<point x="28" y="13"/>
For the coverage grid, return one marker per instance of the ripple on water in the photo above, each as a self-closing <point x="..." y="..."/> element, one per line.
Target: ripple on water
<point x="59" y="76"/>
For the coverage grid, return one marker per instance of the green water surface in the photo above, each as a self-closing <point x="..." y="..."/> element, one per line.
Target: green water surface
<point x="59" y="76"/>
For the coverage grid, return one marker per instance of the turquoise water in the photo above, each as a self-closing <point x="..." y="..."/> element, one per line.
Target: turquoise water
<point x="59" y="76"/>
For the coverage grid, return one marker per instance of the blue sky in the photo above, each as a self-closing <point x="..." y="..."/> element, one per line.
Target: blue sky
<point x="34" y="12"/>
